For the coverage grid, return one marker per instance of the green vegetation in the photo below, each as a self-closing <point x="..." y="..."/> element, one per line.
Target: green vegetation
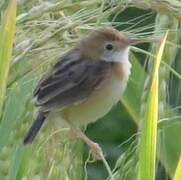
<point x="148" y="139"/>
<point x="143" y="140"/>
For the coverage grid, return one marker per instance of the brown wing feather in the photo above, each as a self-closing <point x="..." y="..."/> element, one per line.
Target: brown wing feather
<point x="61" y="82"/>
<point x="70" y="82"/>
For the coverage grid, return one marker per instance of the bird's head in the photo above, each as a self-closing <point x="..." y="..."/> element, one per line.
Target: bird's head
<point x="106" y="44"/>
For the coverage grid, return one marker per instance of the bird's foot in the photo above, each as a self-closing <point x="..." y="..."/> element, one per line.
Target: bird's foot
<point x="95" y="149"/>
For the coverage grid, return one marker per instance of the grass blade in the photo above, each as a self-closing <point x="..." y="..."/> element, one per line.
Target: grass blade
<point x="178" y="171"/>
<point x="19" y="162"/>
<point x="147" y="153"/>
<point x="7" y="31"/>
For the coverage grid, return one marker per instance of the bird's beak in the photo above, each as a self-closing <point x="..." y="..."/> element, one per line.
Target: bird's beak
<point x="134" y="41"/>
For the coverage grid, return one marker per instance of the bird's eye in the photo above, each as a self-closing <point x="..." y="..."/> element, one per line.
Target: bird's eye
<point x="109" y="47"/>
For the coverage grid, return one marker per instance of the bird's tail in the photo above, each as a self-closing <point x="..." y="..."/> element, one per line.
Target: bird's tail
<point x="33" y="131"/>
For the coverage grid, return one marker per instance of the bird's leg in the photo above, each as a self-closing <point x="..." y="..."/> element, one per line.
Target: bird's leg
<point x="96" y="150"/>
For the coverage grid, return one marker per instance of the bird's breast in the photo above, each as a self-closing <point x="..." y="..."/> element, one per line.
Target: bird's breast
<point x="122" y="70"/>
<point x="101" y="100"/>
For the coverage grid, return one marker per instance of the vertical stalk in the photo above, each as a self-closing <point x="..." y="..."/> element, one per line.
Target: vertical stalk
<point x="148" y="139"/>
<point x="7" y="31"/>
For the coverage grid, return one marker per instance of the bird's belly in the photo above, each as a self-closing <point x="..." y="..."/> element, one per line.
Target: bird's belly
<point x="97" y="105"/>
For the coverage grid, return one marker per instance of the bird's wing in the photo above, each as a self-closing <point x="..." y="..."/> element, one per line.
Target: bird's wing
<point x="70" y="81"/>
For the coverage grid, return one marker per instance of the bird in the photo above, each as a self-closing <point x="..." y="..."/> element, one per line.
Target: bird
<point x="84" y="84"/>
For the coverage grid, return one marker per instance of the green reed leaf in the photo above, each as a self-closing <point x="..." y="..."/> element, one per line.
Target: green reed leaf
<point x="148" y="139"/>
